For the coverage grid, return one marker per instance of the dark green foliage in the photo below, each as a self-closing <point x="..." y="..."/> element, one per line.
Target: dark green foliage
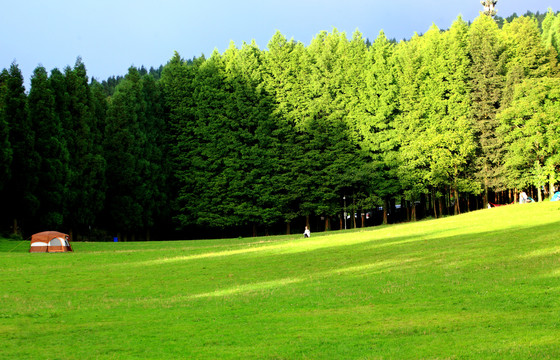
<point x="5" y="146"/>
<point x="50" y="144"/>
<point x="19" y="192"/>
<point x="86" y="187"/>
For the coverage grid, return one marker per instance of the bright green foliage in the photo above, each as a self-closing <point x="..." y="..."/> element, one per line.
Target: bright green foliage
<point x="375" y="110"/>
<point x="525" y="56"/>
<point x="551" y="31"/>
<point x="411" y="171"/>
<point x="434" y="125"/>
<point x="531" y="130"/>
<point x="50" y="144"/>
<point x="486" y="84"/>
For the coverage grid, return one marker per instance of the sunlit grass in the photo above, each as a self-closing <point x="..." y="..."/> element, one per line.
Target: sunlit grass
<point x="483" y="285"/>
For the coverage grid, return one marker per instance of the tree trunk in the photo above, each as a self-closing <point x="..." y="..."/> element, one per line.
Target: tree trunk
<point x="457" y="203"/>
<point x="385" y="207"/>
<point x="434" y="201"/>
<point x="288" y="228"/>
<point x="254" y="230"/>
<point x="363" y="219"/>
<point x="413" y="212"/>
<point x="326" y="223"/>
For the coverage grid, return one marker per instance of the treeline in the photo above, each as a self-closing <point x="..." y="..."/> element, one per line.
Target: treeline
<point x="269" y="140"/>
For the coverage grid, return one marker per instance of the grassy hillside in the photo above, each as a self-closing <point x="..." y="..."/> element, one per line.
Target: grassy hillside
<point x="483" y="285"/>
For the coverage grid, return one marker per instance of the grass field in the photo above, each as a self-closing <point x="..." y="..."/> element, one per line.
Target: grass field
<point x="483" y="285"/>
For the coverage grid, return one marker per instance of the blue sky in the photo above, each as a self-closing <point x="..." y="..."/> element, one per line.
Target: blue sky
<point x="112" y="35"/>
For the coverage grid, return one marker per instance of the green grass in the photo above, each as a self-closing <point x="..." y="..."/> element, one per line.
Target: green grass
<point x="483" y="285"/>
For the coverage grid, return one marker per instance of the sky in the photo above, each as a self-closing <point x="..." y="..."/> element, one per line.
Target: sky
<point x="112" y="35"/>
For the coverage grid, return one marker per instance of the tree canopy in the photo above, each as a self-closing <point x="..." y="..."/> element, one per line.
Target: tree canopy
<point x="261" y="140"/>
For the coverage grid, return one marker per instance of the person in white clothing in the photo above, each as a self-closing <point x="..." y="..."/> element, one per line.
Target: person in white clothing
<point x="307" y="233"/>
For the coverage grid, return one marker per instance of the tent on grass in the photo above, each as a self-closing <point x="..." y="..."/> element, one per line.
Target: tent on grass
<point x="50" y="241"/>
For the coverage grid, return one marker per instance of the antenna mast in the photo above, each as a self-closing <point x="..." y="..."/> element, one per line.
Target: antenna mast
<point x="489" y="7"/>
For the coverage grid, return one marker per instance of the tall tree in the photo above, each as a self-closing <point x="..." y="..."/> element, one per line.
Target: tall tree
<point x="86" y="193"/>
<point x="5" y="146"/>
<point x="530" y="126"/>
<point x="330" y="159"/>
<point x="377" y="122"/>
<point x="50" y="144"/>
<point x="124" y="144"/>
<point x="551" y="31"/>
<point x="155" y="171"/>
<point x="486" y="84"/>
<point x="410" y="122"/>
<point x="281" y="79"/>
<point x="20" y="190"/>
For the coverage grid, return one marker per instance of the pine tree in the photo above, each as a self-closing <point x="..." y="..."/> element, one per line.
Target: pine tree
<point x="86" y="178"/>
<point x="50" y="144"/>
<point x="530" y="127"/>
<point x="409" y="124"/>
<point x="5" y="146"/>
<point x="377" y="123"/>
<point x="124" y="144"/>
<point x="20" y="190"/>
<point x="486" y="84"/>
<point x="330" y="158"/>
<point x="281" y="79"/>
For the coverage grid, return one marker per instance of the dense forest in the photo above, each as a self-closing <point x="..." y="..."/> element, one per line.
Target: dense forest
<point x="341" y="133"/>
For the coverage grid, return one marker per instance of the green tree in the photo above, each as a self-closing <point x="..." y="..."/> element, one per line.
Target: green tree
<point x="530" y="126"/>
<point x="50" y="144"/>
<point x="155" y="171"/>
<point x="551" y="31"/>
<point x="330" y="161"/>
<point x="410" y="122"/>
<point x="86" y="178"/>
<point x="20" y="190"/>
<point x="178" y="86"/>
<point x="124" y="145"/>
<point x="486" y="82"/>
<point x="376" y="125"/>
<point x="525" y="55"/>
<point x="282" y="66"/>
<point x="5" y="146"/>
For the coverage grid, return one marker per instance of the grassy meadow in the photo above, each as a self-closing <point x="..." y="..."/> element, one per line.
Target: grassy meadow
<point x="482" y="285"/>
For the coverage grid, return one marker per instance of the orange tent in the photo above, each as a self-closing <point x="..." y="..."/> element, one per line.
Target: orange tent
<point x="50" y="241"/>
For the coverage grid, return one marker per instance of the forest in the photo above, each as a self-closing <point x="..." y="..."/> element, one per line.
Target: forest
<point x="341" y="133"/>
